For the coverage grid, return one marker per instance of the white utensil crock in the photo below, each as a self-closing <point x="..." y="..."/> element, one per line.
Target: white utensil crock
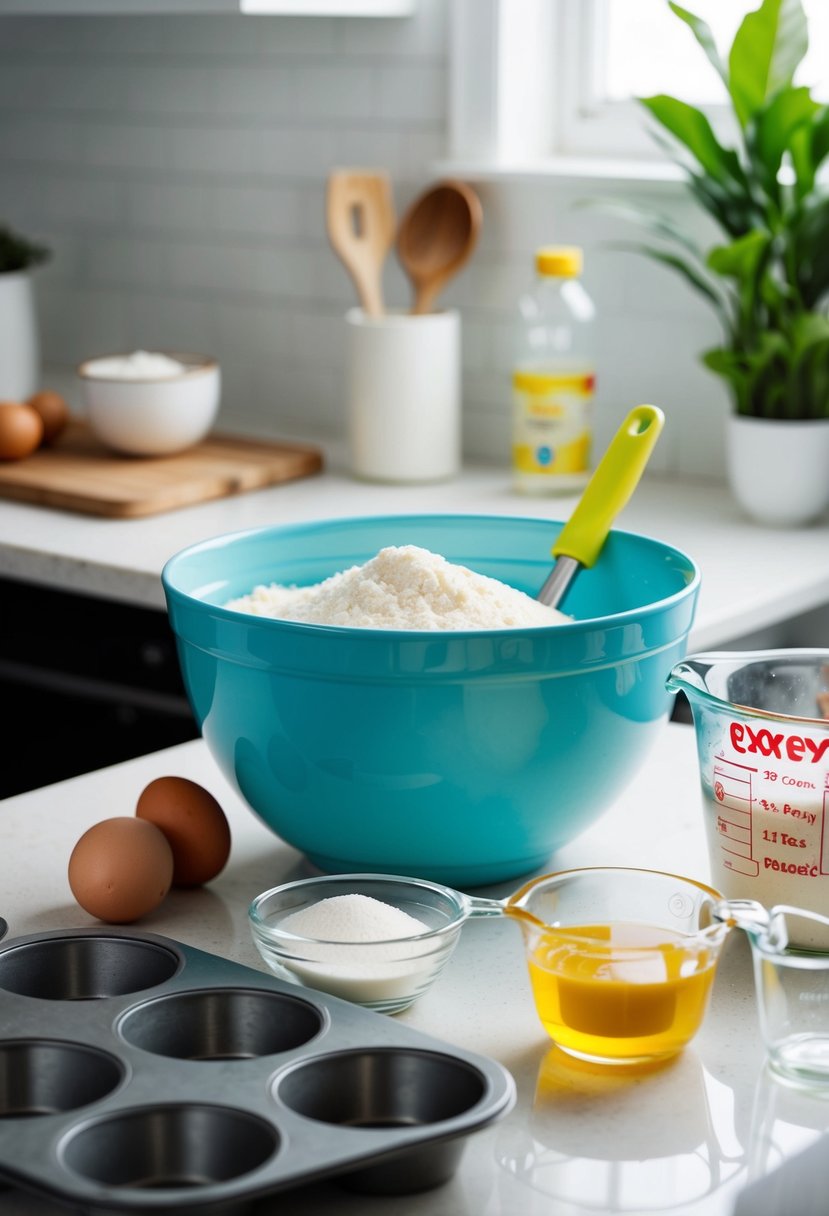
<point x="404" y="395"/>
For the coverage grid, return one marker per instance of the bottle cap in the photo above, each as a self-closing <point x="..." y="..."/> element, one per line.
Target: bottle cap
<point x="562" y="260"/>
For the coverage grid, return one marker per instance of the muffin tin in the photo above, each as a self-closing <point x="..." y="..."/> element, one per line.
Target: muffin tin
<point x="138" y="1074"/>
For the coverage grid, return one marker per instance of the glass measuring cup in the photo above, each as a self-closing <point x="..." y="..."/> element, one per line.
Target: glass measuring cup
<point x="621" y="961"/>
<point x="763" y="745"/>
<point x="792" y="987"/>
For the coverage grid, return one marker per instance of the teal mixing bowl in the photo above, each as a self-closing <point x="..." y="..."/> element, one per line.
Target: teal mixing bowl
<point x="462" y="757"/>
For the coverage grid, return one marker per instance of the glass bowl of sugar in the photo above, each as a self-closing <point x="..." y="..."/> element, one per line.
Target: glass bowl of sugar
<point x="379" y="940"/>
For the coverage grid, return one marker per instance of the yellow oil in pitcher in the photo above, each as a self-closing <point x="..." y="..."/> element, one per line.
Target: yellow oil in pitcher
<point x="620" y="991"/>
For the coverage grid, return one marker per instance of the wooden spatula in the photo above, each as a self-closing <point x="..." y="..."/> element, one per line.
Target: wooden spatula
<point x="361" y="225"/>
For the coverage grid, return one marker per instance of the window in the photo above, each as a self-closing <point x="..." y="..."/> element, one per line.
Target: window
<point x="535" y="79"/>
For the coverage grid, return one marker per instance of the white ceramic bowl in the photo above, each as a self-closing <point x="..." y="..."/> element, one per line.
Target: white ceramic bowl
<point x="151" y="416"/>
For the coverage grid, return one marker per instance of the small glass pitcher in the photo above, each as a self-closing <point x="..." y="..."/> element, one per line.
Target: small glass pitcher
<point x="762" y="733"/>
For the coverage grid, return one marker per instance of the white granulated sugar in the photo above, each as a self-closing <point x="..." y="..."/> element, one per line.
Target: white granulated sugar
<point x="403" y="587"/>
<point x="355" y="950"/>
<point x="352" y="918"/>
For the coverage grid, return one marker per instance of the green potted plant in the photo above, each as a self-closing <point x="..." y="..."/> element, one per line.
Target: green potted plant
<point x="767" y="275"/>
<point x="19" y="344"/>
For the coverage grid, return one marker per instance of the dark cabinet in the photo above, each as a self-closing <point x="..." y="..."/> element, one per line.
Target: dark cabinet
<point x="85" y="683"/>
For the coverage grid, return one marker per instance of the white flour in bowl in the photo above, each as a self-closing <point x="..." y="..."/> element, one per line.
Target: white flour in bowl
<point x="403" y="587"/>
<point x="140" y="365"/>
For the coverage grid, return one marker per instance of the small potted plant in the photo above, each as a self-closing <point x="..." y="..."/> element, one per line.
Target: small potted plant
<point x="19" y="344"/>
<point x="767" y="275"/>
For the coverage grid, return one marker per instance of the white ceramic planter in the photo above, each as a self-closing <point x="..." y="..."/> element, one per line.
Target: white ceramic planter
<point x="779" y="471"/>
<point x="19" y="344"/>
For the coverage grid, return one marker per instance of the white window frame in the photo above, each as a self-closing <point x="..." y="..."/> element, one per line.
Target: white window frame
<point x="588" y="125"/>
<point x="543" y="119"/>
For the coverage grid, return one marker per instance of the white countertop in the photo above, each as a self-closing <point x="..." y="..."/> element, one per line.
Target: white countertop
<point x="684" y="1137"/>
<point x="752" y="576"/>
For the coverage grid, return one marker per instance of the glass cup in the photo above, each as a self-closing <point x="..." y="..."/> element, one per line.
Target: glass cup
<point x="621" y="961"/>
<point x="792" y="987"/>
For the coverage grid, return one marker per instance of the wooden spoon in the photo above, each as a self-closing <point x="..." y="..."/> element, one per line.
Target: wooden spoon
<point x="436" y="238"/>
<point x="361" y="221"/>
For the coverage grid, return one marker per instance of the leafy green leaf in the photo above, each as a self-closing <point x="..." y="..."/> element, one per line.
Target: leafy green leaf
<point x="789" y="109"/>
<point x="694" y="277"/>
<point x="654" y="222"/>
<point x="767" y="277"/>
<point x="808" y="148"/>
<point x="702" y="32"/>
<point x="735" y="213"/>
<point x="767" y="48"/>
<point x="808" y="234"/>
<point x="741" y="258"/>
<point x="691" y="127"/>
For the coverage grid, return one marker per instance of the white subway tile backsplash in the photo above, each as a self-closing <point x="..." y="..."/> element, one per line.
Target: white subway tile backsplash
<point x="259" y="91"/>
<point x="410" y="94"/>
<point x="124" y="145"/>
<point x="318" y="335"/>
<point x="486" y="436"/>
<point x="23" y="85"/>
<point x="424" y="33"/>
<point x="334" y="93"/>
<point x="66" y="84"/>
<point x="224" y="36"/>
<point x="490" y="283"/>
<point x="168" y="206"/>
<point x="294" y="395"/>
<point x="171" y="88"/>
<point x="171" y="322"/>
<point x="286" y="271"/>
<point x="269" y="211"/>
<point x="45" y="140"/>
<point x="177" y="166"/>
<point x="295" y="153"/>
<point x="420" y="149"/>
<point x="72" y="200"/>
<point x="79" y="322"/>
<point x="210" y="267"/>
<point x="254" y="331"/>
<point x="122" y="261"/>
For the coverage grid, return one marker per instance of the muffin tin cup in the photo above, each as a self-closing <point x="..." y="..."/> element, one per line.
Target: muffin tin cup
<point x="138" y="1074"/>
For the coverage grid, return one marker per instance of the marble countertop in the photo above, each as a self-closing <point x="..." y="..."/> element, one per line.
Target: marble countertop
<point x="752" y="576"/>
<point x="681" y="1138"/>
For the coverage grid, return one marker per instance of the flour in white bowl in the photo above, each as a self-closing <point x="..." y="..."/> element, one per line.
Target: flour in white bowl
<point x="403" y="587"/>
<point x="140" y="365"/>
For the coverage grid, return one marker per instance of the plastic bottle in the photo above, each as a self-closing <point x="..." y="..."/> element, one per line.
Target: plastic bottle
<point x="554" y="377"/>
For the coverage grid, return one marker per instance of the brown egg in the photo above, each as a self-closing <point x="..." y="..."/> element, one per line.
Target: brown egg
<point x="194" y="824"/>
<point x="21" y="430"/>
<point x="53" y="411"/>
<point x="121" y="869"/>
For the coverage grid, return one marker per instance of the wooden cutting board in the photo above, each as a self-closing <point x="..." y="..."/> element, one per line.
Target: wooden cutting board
<point x="80" y="474"/>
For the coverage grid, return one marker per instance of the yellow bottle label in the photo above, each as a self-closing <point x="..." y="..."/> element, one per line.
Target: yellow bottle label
<point x="551" y="421"/>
